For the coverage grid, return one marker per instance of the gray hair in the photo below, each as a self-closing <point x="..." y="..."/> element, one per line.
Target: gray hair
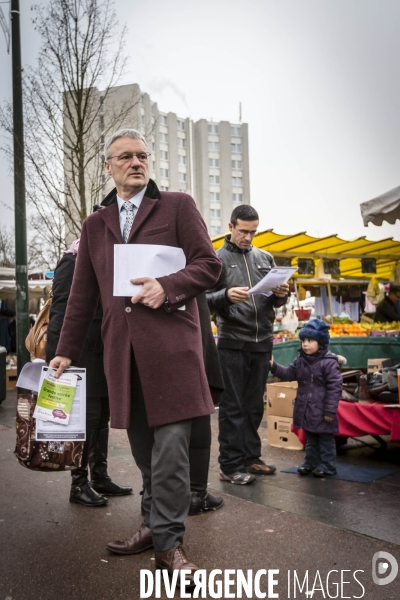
<point x="132" y="133"/>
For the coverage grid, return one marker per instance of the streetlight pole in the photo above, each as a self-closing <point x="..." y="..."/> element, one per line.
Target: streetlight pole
<point x="21" y="258"/>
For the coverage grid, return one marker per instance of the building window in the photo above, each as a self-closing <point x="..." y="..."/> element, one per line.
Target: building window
<point x="182" y="177"/>
<point x="163" y="155"/>
<point x="164" y="188"/>
<point x="215" y="230"/>
<point x="164" y="138"/>
<point x="162" y="119"/>
<point x="181" y="143"/>
<point x="214" y="179"/>
<point x="213" y="129"/>
<point x="164" y="173"/>
<point x="142" y="100"/>
<point x="236" y="148"/>
<point x="181" y="159"/>
<point x="236" y="132"/>
<point x="101" y="100"/>
<point x="237" y="197"/>
<point x="215" y="196"/>
<point x="143" y="120"/>
<point x="215" y="213"/>
<point x="213" y="146"/>
<point x="101" y="122"/>
<point x="213" y="162"/>
<point x="237" y="181"/>
<point x="181" y="125"/>
<point x="236" y="164"/>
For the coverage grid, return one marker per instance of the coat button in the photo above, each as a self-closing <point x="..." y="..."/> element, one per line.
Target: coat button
<point x="128" y="309"/>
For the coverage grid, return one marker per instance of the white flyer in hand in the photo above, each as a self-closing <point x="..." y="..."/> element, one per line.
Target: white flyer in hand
<point x="275" y="277"/>
<point x="143" y="260"/>
<point x="47" y="431"/>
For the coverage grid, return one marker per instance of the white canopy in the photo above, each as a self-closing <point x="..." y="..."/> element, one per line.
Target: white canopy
<point x="37" y="288"/>
<point x="383" y="208"/>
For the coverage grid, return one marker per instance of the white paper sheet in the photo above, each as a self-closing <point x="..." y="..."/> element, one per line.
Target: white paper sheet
<point x="143" y="260"/>
<point x="75" y="431"/>
<point x="30" y="375"/>
<point x="275" y="277"/>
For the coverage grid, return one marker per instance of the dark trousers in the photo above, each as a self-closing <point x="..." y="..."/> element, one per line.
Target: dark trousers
<point x="162" y="455"/>
<point x="199" y="453"/>
<point x="320" y="452"/>
<point x="241" y="407"/>
<point x="96" y="444"/>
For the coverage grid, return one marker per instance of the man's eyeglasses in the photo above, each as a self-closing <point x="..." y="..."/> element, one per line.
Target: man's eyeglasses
<point x="244" y="232"/>
<point x="126" y="157"/>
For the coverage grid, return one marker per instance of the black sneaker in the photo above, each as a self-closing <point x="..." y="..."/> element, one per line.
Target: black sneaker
<point x="238" y="478"/>
<point x="201" y="501"/>
<point x="321" y="473"/>
<point x="304" y="470"/>
<point x="260" y="468"/>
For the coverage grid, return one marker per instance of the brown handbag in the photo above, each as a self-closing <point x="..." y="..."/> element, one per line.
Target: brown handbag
<point x="41" y="456"/>
<point x="36" y="340"/>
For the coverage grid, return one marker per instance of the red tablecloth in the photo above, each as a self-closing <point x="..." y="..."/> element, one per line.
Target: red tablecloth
<point x="356" y="420"/>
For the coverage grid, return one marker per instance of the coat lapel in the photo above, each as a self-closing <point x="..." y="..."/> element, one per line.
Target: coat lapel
<point x="111" y="219"/>
<point x="111" y="216"/>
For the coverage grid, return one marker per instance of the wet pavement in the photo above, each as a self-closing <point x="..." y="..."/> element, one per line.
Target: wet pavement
<point x="53" y="549"/>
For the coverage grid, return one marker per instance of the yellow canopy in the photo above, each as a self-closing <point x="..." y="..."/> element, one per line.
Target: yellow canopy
<point x="301" y="245"/>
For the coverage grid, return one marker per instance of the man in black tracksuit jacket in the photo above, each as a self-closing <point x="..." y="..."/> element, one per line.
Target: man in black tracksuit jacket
<point x="386" y="310"/>
<point x="245" y="324"/>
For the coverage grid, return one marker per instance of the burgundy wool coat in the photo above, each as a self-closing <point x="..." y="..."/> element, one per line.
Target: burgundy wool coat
<point x="166" y="342"/>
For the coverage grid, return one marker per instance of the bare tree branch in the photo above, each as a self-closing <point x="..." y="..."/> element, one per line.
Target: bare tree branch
<point x="65" y="120"/>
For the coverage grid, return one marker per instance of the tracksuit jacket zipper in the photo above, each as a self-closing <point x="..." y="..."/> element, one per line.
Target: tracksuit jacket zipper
<point x="254" y="302"/>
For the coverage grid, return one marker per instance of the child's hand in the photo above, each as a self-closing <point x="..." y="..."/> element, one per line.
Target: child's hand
<point x="328" y="419"/>
<point x="271" y="362"/>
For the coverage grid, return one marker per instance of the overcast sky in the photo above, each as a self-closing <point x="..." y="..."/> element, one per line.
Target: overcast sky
<point x="319" y="82"/>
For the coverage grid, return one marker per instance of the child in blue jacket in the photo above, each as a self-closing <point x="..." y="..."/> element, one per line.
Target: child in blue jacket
<point x="317" y="372"/>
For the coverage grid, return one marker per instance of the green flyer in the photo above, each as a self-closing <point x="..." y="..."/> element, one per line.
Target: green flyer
<point x="55" y="398"/>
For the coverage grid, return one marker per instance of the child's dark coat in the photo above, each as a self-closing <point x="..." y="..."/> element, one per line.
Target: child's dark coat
<point x="320" y="388"/>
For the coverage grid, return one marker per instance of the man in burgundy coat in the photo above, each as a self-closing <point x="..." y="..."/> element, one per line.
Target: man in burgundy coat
<point x="152" y="351"/>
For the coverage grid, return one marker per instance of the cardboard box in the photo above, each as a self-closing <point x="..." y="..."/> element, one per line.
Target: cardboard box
<point x="280" y="398"/>
<point x="375" y="364"/>
<point x="280" y="434"/>
<point x="11" y="378"/>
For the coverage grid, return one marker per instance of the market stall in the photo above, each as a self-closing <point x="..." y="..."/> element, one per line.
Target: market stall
<point x="357" y="420"/>
<point x="357" y="350"/>
<point x="352" y="264"/>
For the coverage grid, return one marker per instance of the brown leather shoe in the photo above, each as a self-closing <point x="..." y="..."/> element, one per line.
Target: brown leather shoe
<point x="176" y="559"/>
<point x="140" y="541"/>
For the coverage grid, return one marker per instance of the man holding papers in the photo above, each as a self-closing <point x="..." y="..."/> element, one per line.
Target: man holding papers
<point x="245" y="324"/>
<point x="152" y="351"/>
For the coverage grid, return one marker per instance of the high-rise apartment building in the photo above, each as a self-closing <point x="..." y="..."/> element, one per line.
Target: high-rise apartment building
<point x="206" y="159"/>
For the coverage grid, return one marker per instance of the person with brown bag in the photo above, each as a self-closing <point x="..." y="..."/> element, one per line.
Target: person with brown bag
<point x="94" y="458"/>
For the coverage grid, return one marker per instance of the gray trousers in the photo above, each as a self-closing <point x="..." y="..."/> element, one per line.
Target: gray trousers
<point x="162" y="455"/>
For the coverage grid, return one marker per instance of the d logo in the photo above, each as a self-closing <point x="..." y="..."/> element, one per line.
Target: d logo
<point x="380" y="568"/>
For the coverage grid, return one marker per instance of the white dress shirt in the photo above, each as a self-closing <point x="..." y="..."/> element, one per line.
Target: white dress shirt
<point x="135" y="200"/>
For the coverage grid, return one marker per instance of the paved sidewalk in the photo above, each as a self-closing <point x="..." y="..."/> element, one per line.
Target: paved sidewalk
<point x="52" y="549"/>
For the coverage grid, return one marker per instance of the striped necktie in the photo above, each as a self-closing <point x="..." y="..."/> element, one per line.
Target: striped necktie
<point x="129" y="220"/>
